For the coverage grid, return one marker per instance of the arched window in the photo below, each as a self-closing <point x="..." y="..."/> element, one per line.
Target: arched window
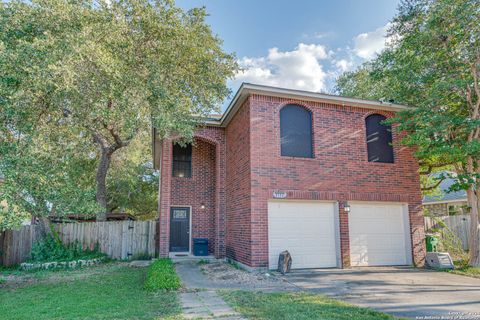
<point x="296" y="132"/>
<point x="379" y="139"/>
<point x="182" y="161"/>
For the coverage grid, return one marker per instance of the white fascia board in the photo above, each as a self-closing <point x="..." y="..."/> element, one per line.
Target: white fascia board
<point x="247" y="89"/>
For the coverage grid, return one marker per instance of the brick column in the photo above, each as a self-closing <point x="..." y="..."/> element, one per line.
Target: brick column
<point x="417" y="232"/>
<point x="220" y="204"/>
<point x="344" y="236"/>
<point x="165" y="195"/>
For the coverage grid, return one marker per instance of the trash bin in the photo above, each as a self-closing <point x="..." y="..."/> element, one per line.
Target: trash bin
<point x="200" y="246"/>
<point x="432" y="243"/>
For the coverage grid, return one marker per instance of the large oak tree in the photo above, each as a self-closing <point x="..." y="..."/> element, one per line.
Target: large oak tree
<point x="104" y="71"/>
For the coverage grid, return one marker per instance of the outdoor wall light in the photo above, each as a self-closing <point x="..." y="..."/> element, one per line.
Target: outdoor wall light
<point x="202" y="206"/>
<point x="346" y="207"/>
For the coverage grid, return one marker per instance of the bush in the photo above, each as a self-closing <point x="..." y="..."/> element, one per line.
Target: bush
<point x="161" y="275"/>
<point x="51" y="248"/>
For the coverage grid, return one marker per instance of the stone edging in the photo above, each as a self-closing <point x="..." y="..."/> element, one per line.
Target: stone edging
<point x="61" y="265"/>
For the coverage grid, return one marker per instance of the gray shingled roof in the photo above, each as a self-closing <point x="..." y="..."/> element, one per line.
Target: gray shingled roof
<point x="450" y="196"/>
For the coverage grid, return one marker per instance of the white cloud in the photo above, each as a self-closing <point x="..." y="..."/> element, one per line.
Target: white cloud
<point x="310" y="67"/>
<point x="343" y="64"/>
<point x="297" y="69"/>
<point x="367" y="45"/>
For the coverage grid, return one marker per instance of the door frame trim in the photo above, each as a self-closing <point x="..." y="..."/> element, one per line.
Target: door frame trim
<point x="189" y="228"/>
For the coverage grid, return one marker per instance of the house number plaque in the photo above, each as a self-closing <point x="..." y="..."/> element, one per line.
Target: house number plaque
<point x="279" y="194"/>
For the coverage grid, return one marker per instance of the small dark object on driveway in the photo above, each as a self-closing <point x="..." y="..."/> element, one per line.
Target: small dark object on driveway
<point x="284" y="262"/>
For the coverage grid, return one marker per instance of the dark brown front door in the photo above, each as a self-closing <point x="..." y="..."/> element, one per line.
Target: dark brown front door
<point x="179" y="229"/>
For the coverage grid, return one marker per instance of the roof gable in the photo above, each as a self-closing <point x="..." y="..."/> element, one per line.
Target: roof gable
<point x="247" y="89"/>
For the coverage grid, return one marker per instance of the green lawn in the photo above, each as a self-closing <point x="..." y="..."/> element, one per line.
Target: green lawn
<point x="467" y="271"/>
<point x="295" y="306"/>
<point x="111" y="291"/>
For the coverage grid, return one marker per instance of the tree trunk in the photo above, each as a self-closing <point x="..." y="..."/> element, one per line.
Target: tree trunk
<point x="474" y="247"/>
<point x="101" y="180"/>
<point x="44" y="226"/>
<point x="472" y="197"/>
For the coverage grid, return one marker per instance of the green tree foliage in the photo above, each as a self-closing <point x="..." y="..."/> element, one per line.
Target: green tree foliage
<point x="433" y="63"/>
<point x="132" y="181"/>
<point x="46" y="173"/>
<point x="105" y="71"/>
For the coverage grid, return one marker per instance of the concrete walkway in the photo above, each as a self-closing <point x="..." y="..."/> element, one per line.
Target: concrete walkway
<point x="201" y="301"/>
<point x="206" y="305"/>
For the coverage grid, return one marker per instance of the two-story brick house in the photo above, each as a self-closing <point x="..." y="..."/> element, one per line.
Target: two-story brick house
<point x="284" y="169"/>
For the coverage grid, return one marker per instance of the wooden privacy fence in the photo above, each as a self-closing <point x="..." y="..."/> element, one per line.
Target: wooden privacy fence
<point x="16" y="245"/>
<point x="460" y="226"/>
<point x="117" y="239"/>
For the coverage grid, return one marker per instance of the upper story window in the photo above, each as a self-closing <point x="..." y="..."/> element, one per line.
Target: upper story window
<point x="296" y="132"/>
<point x="379" y="139"/>
<point x="182" y="161"/>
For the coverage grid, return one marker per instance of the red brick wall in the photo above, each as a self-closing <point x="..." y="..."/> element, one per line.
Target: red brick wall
<point x="206" y="186"/>
<point x="197" y="190"/>
<point x="238" y="236"/>
<point x="339" y="171"/>
<point x="248" y="168"/>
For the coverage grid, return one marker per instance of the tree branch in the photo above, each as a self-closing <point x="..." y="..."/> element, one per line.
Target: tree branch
<point x="99" y="139"/>
<point x="436" y="184"/>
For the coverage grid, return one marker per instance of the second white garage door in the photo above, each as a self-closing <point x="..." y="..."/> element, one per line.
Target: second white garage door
<point x="379" y="234"/>
<point x="306" y="230"/>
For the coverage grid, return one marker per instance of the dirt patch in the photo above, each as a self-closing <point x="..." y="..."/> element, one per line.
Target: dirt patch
<point x="224" y="272"/>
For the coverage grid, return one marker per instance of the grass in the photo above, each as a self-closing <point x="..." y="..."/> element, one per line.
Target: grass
<point x="203" y="262"/>
<point x="162" y="276"/>
<point x="295" y="306"/>
<point x="462" y="268"/>
<point x="234" y="264"/>
<point x="111" y="291"/>
<point x="467" y="271"/>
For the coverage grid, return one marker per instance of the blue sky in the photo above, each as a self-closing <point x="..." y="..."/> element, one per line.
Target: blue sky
<point x="302" y="44"/>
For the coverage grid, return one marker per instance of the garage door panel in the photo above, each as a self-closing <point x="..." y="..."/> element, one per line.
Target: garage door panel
<point x="387" y="226"/>
<point x="306" y="230"/>
<point x="378" y="235"/>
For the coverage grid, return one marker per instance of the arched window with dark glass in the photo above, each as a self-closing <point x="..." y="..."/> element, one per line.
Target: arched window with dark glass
<point x="379" y="139"/>
<point x="296" y="132"/>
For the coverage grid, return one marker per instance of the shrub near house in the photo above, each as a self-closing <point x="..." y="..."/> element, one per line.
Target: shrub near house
<point x="161" y="275"/>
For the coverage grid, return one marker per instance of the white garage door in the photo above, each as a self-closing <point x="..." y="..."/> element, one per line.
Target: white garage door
<point x="306" y="230"/>
<point x="379" y="234"/>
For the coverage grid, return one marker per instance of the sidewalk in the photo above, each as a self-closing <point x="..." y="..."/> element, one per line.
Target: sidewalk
<point x="200" y="300"/>
<point x="206" y="305"/>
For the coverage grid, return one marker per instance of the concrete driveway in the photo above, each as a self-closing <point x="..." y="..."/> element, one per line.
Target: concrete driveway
<point x="403" y="292"/>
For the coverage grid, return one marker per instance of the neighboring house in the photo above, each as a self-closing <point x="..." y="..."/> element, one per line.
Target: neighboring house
<point x="447" y="203"/>
<point x="280" y="170"/>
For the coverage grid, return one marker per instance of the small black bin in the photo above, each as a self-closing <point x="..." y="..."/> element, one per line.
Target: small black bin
<point x="200" y="246"/>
